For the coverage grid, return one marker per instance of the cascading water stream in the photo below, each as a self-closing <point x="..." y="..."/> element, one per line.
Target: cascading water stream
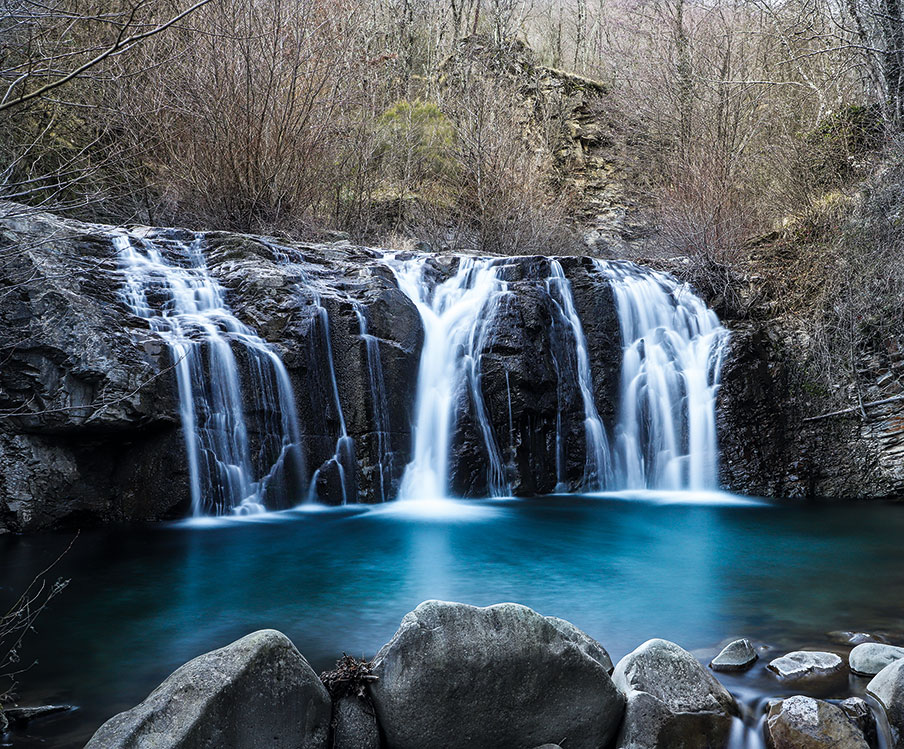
<point x="665" y="436"/>
<point x="597" y="466"/>
<point x="344" y="455"/>
<point x="457" y="317"/>
<point x="167" y="284"/>
<point x="385" y="457"/>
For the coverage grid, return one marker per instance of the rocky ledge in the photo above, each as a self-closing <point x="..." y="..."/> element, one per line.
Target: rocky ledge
<point x="500" y="677"/>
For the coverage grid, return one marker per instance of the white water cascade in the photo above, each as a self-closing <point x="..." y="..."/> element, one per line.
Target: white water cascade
<point x="385" y="456"/>
<point x="597" y="466"/>
<point x="344" y="455"/>
<point x="665" y="435"/>
<point x="457" y="317"/>
<point x="167" y="284"/>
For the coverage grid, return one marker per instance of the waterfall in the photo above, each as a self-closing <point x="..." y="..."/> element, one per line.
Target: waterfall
<point x="344" y="454"/>
<point x="457" y="317"/>
<point x="385" y="457"/>
<point x="597" y="466"/>
<point x="673" y="345"/>
<point x="167" y="284"/>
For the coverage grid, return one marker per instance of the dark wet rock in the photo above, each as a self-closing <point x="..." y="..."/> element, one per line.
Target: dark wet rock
<point x="259" y="686"/>
<point x="87" y="423"/>
<point x="840" y="637"/>
<point x="671" y="700"/>
<point x="888" y="688"/>
<point x="20" y="717"/>
<point x="736" y="656"/>
<point x="805" y="665"/>
<point x="806" y="723"/>
<point x="529" y="383"/>
<point x="355" y="724"/>
<point x="502" y="676"/>
<point x="870" y="658"/>
<point x="859" y="712"/>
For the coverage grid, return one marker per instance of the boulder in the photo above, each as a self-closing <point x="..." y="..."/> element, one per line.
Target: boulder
<point x="806" y="723"/>
<point x="736" y="656"/>
<point x="888" y="687"/>
<point x="671" y="700"/>
<point x="259" y="686"/>
<point x="354" y="724"/>
<point x="870" y="658"/>
<point x="498" y="677"/>
<point x="804" y="665"/>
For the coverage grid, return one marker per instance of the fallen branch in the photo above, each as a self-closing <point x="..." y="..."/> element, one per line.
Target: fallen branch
<point x="855" y="409"/>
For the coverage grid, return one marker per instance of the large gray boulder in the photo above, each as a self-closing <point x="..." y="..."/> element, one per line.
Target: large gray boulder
<point x="500" y="677"/>
<point x="888" y="687"/>
<point x="672" y="700"/>
<point x="870" y="658"/>
<point x="257" y="691"/>
<point x="806" y="723"/>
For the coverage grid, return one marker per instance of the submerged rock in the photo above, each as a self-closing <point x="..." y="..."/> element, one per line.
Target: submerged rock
<point x="804" y="665"/>
<point x="843" y="637"/>
<point x="259" y="686"/>
<point x="20" y="717"/>
<point x="503" y="676"/>
<point x="888" y="687"/>
<point x="806" y="723"/>
<point x="870" y="658"/>
<point x="671" y="700"/>
<point x="736" y="656"/>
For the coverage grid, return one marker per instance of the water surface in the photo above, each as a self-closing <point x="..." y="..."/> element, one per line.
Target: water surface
<point x="142" y="602"/>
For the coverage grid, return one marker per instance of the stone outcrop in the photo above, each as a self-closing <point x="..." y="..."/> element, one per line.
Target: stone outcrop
<point x="259" y="686"/>
<point x="502" y="676"/>
<point x="671" y="700"/>
<point x="88" y="410"/>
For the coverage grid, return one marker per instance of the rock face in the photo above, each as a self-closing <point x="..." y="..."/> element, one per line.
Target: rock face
<point x="888" y="687"/>
<point x="736" y="656"/>
<point x="259" y="686"/>
<point x="805" y="723"/>
<point x="671" y="700"/>
<point x="804" y="665"/>
<point x="502" y="676"/>
<point x="89" y="407"/>
<point x="870" y="658"/>
<point x="88" y="424"/>
<point x="530" y="386"/>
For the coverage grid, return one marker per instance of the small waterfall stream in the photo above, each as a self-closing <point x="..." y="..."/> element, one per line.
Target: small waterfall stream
<point x="167" y="284"/>
<point x="457" y="316"/>
<point x="597" y="466"/>
<point x="665" y="437"/>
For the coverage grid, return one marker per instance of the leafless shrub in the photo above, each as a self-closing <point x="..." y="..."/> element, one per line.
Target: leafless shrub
<point x="19" y="622"/>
